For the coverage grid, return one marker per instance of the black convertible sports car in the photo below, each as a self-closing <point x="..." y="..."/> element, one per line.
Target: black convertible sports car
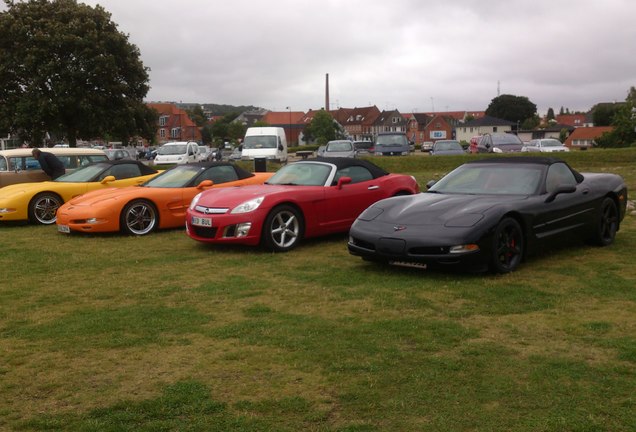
<point x="490" y="213"/>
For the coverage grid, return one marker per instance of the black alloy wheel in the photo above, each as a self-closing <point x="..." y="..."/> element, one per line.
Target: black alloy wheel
<point x="508" y="244"/>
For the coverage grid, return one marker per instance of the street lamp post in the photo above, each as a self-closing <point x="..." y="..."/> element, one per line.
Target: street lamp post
<point x="290" y="126"/>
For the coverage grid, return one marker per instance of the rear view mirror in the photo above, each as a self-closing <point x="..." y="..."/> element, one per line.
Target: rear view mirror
<point x="343" y="181"/>
<point x="560" y="190"/>
<point x="205" y="184"/>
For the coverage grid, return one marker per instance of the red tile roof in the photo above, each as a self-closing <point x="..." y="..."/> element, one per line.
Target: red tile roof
<point x="587" y="133"/>
<point x="283" y="117"/>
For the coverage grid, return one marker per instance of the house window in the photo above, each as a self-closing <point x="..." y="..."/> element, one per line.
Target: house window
<point x="163" y="120"/>
<point x="162" y="133"/>
<point x="175" y="132"/>
<point x="395" y="120"/>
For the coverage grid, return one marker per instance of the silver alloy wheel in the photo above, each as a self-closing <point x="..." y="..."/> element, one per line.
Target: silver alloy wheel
<point x="139" y="218"/>
<point x="43" y="208"/>
<point x="284" y="229"/>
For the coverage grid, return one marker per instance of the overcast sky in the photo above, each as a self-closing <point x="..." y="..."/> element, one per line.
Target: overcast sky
<point x="413" y="55"/>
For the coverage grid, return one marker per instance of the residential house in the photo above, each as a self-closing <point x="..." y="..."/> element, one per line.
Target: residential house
<point x="483" y="125"/>
<point x="174" y="124"/>
<point x="358" y="123"/>
<point x="389" y="121"/>
<point x="551" y="131"/>
<point x="416" y="129"/>
<point x="575" y="120"/>
<point x="248" y="118"/>
<point x="458" y="116"/>
<point x="584" y="137"/>
<point x="288" y="120"/>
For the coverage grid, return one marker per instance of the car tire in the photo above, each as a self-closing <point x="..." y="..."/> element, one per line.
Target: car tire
<point x="606" y="224"/>
<point x="283" y="229"/>
<point x="43" y="208"/>
<point x="139" y="218"/>
<point x="507" y="247"/>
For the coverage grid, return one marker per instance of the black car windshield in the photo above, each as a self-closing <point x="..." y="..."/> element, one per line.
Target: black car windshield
<point x="84" y="174"/>
<point x="302" y="174"/>
<point x="176" y="177"/>
<point x="391" y="140"/>
<point x="491" y="179"/>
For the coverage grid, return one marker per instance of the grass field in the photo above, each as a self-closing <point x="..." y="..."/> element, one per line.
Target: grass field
<point x="114" y="333"/>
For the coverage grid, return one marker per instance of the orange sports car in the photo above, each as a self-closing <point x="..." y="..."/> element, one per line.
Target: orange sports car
<point x="158" y="203"/>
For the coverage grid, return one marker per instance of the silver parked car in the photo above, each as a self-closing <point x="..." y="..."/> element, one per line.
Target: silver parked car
<point x="545" y="145"/>
<point x="340" y="148"/>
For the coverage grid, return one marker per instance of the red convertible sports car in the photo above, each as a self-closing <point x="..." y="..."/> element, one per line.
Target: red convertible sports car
<point x="308" y="198"/>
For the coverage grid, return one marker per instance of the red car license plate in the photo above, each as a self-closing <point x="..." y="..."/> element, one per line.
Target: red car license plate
<point x="204" y="222"/>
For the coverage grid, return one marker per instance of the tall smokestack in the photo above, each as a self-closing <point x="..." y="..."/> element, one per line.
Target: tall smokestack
<point x="327" y="92"/>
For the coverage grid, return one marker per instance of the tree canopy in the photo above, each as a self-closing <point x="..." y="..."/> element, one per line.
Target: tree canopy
<point x="511" y="108"/>
<point x="322" y="128"/>
<point x="623" y="121"/>
<point x="65" y="67"/>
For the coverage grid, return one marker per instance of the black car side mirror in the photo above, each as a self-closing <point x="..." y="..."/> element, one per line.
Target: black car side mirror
<point x="430" y="184"/>
<point x="559" y="190"/>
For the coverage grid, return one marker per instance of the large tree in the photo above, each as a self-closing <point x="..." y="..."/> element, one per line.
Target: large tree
<point x="66" y="67"/>
<point x="511" y="108"/>
<point x="623" y="121"/>
<point x="322" y="128"/>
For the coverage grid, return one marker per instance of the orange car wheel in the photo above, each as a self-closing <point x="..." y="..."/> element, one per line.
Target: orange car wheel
<point x="138" y="218"/>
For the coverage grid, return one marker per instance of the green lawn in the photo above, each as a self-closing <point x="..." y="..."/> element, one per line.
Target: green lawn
<point x="114" y="333"/>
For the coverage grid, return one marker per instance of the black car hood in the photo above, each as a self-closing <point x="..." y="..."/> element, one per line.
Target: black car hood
<point x="436" y="209"/>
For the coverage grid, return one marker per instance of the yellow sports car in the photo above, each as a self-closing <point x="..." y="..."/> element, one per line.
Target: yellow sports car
<point x="38" y="202"/>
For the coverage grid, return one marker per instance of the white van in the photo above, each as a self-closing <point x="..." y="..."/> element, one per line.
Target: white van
<point x="264" y="142"/>
<point x="177" y="152"/>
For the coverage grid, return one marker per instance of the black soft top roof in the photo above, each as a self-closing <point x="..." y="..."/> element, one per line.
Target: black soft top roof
<point x="240" y="172"/>
<point x="344" y="162"/>
<point x="143" y="168"/>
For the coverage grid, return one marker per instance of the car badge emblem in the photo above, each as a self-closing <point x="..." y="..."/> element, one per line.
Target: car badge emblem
<point x="399" y="228"/>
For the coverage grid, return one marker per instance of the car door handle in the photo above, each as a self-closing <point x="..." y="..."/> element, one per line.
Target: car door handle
<point x="373" y="187"/>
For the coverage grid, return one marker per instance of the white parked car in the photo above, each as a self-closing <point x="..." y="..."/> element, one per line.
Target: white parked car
<point x="544" y="145"/>
<point x="177" y="153"/>
<point x="204" y="153"/>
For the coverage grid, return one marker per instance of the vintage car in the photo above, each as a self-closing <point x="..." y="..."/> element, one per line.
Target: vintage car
<point x="161" y="202"/>
<point x="38" y="202"/>
<point x="308" y="198"/>
<point x="490" y="213"/>
<point x="19" y="165"/>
